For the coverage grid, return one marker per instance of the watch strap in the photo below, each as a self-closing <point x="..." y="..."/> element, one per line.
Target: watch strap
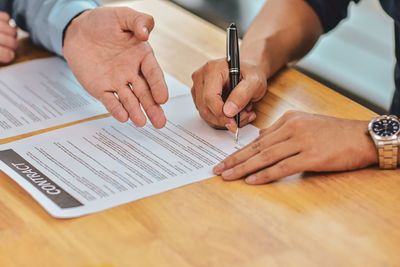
<point x="387" y="156"/>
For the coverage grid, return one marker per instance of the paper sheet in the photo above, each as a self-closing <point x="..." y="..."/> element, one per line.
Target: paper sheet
<point x="44" y="93"/>
<point x="103" y="163"/>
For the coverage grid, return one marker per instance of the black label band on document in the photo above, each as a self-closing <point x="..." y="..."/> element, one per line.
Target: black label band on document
<point x="38" y="179"/>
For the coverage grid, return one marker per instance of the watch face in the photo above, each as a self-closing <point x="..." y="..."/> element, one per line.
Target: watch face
<point x="385" y="128"/>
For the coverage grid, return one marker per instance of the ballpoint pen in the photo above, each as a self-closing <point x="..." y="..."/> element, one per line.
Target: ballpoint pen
<point x="232" y="56"/>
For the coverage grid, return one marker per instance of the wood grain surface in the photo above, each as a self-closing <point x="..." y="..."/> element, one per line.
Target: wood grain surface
<point x="309" y="219"/>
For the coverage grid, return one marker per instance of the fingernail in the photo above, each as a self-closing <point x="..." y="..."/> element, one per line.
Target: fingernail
<point x="251" y="179"/>
<point x="252" y="117"/>
<point x="145" y="30"/>
<point x="230" y="127"/>
<point x="230" y="109"/>
<point x="227" y="175"/>
<point x="138" y="120"/>
<point x="219" y="168"/>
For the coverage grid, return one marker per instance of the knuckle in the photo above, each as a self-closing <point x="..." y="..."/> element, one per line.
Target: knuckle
<point x="151" y="20"/>
<point x="231" y="161"/>
<point x="195" y="75"/>
<point x="239" y="170"/>
<point x="264" y="176"/>
<point x="112" y="107"/>
<point x="138" y="18"/>
<point x="157" y="82"/>
<point x="208" y="66"/>
<point x="203" y="114"/>
<point x="290" y="113"/>
<point x="284" y="167"/>
<point x="256" y="146"/>
<point x="260" y="137"/>
<point x="211" y="65"/>
<point x="152" y="71"/>
<point x="265" y="155"/>
<point x="295" y="124"/>
<point x="147" y="52"/>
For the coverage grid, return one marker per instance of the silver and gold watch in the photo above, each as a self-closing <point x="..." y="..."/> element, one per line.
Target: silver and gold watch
<point x="385" y="131"/>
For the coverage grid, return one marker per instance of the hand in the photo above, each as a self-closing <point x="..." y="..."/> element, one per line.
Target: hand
<point x="300" y="142"/>
<point x="8" y="39"/>
<point x="107" y="50"/>
<point x="210" y="84"/>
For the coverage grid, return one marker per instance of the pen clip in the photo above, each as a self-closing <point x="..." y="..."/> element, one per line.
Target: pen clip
<point x="228" y="41"/>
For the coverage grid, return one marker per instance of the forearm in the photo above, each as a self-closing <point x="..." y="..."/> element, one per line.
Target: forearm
<point x="46" y="20"/>
<point x="284" y="30"/>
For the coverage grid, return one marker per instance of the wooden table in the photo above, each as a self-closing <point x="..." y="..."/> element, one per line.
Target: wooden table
<point x="334" y="219"/>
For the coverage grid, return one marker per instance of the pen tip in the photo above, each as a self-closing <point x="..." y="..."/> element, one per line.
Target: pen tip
<point x="232" y="25"/>
<point x="237" y="135"/>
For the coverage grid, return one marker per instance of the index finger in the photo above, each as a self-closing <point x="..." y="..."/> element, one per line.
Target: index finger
<point x="216" y="78"/>
<point x="155" y="78"/>
<point x="259" y="144"/>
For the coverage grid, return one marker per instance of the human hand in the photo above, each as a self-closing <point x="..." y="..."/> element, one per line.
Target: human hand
<point x="210" y="84"/>
<point x="107" y="50"/>
<point x="299" y="142"/>
<point x="8" y="39"/>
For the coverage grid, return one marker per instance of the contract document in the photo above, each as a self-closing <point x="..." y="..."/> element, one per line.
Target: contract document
<point x="99" y="164"/>
<point x="44" y="93"/>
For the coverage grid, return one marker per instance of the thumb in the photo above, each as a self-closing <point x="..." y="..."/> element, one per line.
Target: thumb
<point x="139" y="23"/>
<point x="240" y="97"/>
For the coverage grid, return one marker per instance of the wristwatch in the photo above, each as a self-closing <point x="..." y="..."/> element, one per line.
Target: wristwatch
<point x="385" y="131"/>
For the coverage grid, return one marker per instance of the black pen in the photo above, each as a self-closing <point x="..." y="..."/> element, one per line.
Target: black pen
<point x="232" y="56"/>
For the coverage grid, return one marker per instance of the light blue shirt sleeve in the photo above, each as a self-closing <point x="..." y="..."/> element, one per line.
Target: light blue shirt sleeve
<point x="46" y="20"/>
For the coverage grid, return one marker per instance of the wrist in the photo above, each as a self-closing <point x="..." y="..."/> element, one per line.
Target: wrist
<point x="255" y="58"/>
<point x="371" y="152"/>
<point x="265" y="53"/>
<point x="69" y="24"/>
<point x="72" y="30"/>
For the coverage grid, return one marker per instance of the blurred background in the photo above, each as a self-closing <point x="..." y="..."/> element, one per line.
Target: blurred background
<point x="356" y="59"/>
<point x="220" y="12"/>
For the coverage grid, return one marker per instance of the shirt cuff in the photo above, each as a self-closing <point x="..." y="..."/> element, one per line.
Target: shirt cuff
<point x="61" y="19"/>
<point x="330" y="13"/>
